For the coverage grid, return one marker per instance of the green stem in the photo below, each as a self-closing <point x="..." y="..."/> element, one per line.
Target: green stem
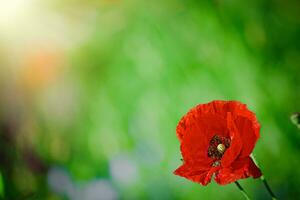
<point x="262" y="178"/>
<point x="242" y="190"/>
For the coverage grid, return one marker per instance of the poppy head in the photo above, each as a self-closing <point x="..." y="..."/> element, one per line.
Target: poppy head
<point x="218" y="138"/>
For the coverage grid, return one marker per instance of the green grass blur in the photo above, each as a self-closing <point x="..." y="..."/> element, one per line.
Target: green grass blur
<point x="91" y="93"/>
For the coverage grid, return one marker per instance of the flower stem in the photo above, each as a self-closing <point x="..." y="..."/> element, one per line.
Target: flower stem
<point x="242" y="190"/>
<point x="262" y="178"/>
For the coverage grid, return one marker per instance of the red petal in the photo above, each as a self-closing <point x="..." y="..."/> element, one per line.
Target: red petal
<point x="236" y="143"/>
<point x="248" y="133"/>
<point x="195" y="130"/>
<point x="196" y="173"/>
<point x="241" y="168"/>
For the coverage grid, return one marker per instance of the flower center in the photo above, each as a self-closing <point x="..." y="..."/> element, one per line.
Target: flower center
<point x="217" y="147"/>
<point x="221" y="148"/>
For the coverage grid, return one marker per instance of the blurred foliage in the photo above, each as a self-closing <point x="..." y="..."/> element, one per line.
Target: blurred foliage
<point x="91" y="93"/>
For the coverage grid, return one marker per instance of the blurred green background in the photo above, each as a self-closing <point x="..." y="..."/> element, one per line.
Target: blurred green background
<point x="91" y="93"/>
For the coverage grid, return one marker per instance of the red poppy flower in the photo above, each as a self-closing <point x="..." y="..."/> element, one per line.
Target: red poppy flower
<point x="218" y="138"/>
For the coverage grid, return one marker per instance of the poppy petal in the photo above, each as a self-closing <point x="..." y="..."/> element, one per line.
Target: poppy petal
<point x="248" y="133"/>
<point x="196" y="174"/>
<point x="241" y="168"/>
<point x="195" y="130"/>
<point x="236" y="143"/>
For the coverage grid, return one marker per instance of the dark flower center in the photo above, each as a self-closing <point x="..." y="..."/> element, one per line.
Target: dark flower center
<point x="217" y="147"/>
